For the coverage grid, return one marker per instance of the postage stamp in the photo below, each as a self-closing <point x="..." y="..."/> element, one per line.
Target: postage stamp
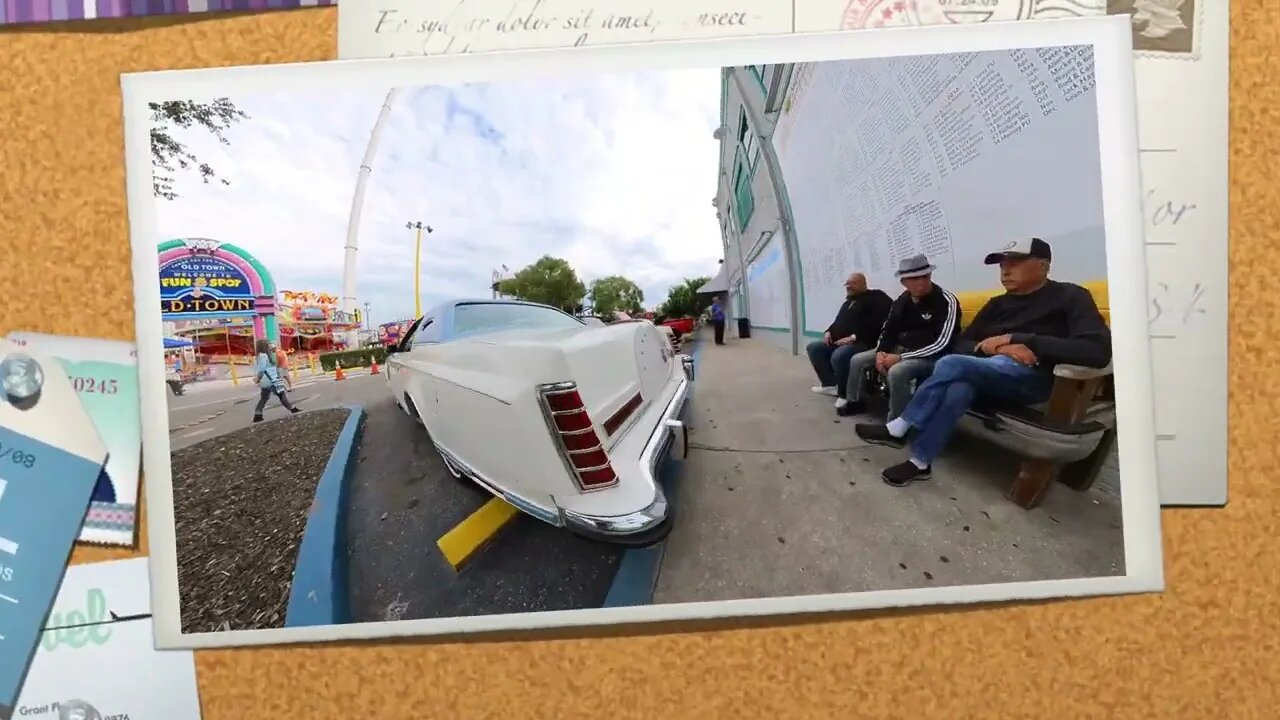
<point x="1162" y="28"/>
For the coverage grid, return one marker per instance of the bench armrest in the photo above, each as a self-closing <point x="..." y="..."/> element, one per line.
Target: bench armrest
<point x="1080" y="372"/>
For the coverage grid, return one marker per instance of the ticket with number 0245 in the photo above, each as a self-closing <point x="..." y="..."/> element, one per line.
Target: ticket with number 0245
<point x="105" y="376"/>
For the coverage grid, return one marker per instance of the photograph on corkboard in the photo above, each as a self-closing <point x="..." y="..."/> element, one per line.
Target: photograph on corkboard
<point x="760" y="326"/>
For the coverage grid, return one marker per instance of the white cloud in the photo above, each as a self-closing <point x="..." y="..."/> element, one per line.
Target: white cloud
<point x="613" y="173"/>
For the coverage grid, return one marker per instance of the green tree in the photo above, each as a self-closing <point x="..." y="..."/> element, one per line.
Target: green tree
<point x="550" y="281"/>
<point x="168" y="154"/>
<point x="683" y="299"/>
<point x="616" y="293"/>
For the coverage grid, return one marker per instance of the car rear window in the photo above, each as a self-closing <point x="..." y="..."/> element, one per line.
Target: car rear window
<point x="475" y="318"/>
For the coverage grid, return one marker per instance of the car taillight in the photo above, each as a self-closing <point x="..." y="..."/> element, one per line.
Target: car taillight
<point x="576" y="436"/>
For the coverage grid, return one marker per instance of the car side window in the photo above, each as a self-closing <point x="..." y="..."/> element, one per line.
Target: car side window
<point x="425" y="333"/>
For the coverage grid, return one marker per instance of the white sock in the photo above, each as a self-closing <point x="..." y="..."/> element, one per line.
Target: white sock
<point x="920" y="464"/>
<point x="897" y="427"/>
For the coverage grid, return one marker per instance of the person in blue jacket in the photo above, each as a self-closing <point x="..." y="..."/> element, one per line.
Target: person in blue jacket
<point x="270" y="380"/>
<point x="717" y="319"/>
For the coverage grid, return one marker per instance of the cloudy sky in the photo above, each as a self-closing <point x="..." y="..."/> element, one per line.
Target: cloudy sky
<point x="613" y="173"/>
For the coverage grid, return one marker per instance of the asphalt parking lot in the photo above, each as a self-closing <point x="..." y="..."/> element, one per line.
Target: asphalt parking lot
<point x="403" y="501"/>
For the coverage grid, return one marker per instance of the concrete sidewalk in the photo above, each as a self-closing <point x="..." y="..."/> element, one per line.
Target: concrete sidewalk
<point x="779" y="497"/>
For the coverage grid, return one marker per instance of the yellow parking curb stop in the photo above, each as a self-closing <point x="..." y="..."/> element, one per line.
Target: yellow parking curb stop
<point x="471" y="534"/>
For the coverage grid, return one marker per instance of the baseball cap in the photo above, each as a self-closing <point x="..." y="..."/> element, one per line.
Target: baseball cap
<point x="1024" y="248"/>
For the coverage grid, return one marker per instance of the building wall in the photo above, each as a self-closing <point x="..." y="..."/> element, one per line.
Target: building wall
<point x="750" y="213"/>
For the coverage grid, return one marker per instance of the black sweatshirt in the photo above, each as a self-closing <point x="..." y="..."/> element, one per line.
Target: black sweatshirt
<point x="861" y="315"/>
<point x="924" y="328"/>
<point x="1060" y="323"/>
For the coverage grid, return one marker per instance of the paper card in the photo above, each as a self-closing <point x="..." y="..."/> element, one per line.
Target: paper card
<point x="105" y="374"/>
<point x="44" y="11"/>
<point x="1181" y="66"/>
<point x="102" y="619"/>
<point x="50" y="458"/>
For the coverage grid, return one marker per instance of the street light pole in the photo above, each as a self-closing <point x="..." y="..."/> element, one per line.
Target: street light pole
<point x="417" y="226"/>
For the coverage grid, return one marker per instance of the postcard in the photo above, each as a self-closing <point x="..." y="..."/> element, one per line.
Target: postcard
<point x="105" y="375"/>
<point x="102" y="619"/>
<point x="1180" y="48"/>
<point x="749" y="326"/>
<point x="50" y="459"/>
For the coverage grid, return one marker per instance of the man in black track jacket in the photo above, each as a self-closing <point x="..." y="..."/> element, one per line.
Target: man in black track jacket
<point x="856" y="327"/>
<point x="1006" y="354"/>
<point x="922" y="325"/>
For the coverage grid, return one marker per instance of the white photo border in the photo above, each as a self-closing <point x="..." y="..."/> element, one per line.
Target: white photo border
<point x="1111" y="38"/>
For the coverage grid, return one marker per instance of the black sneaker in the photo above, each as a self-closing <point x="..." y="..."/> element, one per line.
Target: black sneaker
<point x="855" y="407"/>
<point x="257" y="418"/>
<point x="878" y="434"/>
<point x="905" y="473"/>
<point x="295" y="411"/>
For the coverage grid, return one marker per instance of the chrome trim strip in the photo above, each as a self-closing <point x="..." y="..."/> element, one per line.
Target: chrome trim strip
<point x="551" y="516"/>
<point x="574" y="411"/>
<point x="595" y="467"/>
<point x="583" y="431"/>
<point x="588" y="450"/>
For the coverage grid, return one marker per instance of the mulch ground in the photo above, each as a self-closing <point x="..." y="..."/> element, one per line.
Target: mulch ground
<point x="240" y="508"/>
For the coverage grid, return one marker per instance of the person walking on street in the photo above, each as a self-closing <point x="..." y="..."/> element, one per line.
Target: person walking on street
<point x="717" y="320"/>
<point x="270" y="380"/>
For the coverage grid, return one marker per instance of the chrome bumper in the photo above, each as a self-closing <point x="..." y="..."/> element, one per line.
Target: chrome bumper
<point x="687" y="362"/>
<point x="652" y="524"/>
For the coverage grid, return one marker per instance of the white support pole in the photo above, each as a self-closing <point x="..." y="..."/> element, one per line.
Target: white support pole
<point x="353" y="222"/>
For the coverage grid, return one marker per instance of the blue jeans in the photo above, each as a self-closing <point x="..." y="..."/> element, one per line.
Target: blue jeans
<point x="831" y="363"/>
<point x="957" y="380"/>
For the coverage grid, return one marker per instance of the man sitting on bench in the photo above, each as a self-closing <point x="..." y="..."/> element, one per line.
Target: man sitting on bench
<point x="922" y="325"/>
<point x="855" y="329"/>
<point x="1006" y="354"/>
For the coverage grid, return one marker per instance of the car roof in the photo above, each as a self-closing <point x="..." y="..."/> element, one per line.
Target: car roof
<point x="443" y="311"/>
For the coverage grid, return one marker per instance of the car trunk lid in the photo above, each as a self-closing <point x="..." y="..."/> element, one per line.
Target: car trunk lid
<point x="620" y="370"/>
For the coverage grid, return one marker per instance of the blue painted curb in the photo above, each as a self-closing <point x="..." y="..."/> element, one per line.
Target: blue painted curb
<point x="318" y="595"/>
<point x="637" y="574"/>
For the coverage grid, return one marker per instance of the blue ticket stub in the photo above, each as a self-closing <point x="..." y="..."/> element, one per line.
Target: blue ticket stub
<point x="44" y="494"/>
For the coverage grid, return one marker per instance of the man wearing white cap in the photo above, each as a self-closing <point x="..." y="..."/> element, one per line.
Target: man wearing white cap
<point x="1007" y="354"/>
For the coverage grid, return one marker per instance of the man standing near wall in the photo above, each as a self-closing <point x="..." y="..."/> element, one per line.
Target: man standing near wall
<point x="922" y="324"/>
<point x="717" y="318"/>
<point x="855" y="329"/>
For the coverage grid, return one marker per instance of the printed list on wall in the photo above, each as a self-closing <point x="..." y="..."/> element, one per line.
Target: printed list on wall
<point x="921" y="155"/>
<point x="1181" y="56"/>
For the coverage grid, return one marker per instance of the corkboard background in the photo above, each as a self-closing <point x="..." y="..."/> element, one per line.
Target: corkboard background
<point x="1207" y="648"/>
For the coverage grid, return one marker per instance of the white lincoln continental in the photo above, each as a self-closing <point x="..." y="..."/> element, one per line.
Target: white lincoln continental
<point x="568" y="422"/>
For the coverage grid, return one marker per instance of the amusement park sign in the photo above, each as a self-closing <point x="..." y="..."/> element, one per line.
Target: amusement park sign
<point x="203" y="282"/>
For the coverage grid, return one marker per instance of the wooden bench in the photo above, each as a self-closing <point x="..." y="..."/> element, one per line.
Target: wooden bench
<point x="1067" y="438"/>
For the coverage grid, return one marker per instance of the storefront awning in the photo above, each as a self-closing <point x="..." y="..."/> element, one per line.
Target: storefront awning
<point x="717" y="284"/>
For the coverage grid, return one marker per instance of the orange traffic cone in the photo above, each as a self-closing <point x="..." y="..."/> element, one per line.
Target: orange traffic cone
<point x="337" y="372"/>
<point x="373" y="367"/>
